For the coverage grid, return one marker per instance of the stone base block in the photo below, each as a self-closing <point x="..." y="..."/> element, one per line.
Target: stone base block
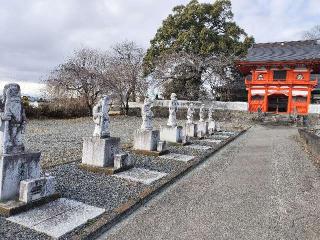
<point x="35" y="189"/>
<point x="100" y="152"/>
<point x="171" y="134"/>
<point x="146" y="140"/>
<point x="218" y="128"/>
<point x="14" y="169"/>
<point x="200" y="134"/>
<point x="212" y="127"/>
<point x="191" y="129"/>
<point x="203" y="127"/>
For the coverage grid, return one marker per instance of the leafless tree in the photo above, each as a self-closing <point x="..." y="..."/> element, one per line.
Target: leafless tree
<point x="313" y="33"/>
<point x="77" y="77"/>
<point x="90" y="73"/>
<point x="123" y="72"/>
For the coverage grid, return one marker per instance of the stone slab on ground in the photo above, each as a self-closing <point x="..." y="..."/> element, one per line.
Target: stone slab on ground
<point x="178" y="157"/>
<point x="141" y="175"/>
<point x="216" y="141"/>
<point x="199" y="147"/>
<point x="220" y="136"/>
<point x="230" y="133"/>
<point x="57" y="218"/>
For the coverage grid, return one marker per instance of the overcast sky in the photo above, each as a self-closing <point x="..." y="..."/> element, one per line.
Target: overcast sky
<point x="37" y="35"/>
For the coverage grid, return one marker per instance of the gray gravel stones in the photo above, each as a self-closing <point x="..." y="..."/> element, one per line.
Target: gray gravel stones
<point x="12" y="231"/>
<point x="95" y="189"/>
<point x="60" y="141"/>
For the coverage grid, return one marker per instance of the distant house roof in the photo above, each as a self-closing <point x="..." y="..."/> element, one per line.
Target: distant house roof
<point x="284" y="51"/>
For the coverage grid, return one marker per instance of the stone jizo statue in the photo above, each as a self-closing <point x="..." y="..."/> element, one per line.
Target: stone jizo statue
<point x="173" y="108"/>
<point x="13" y="120"/>
<point x="202" y="113"/>
<point x="101" y="118"/>
<point x="190" y="114"/>
<point x="147" y="115"/>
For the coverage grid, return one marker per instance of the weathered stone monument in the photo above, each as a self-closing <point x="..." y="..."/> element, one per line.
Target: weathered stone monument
<point x="172" y="133"/>
<point x="147" y="140"/>
<point x="16" y="164"/>
<point x="202" y="124"/>
<point x="101" y="150"/>
<point x="191" y="128"/>
<point x="212" y="123"/>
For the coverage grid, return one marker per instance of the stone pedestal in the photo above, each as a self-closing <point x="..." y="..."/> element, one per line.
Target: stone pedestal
<point x="218" y="128"/>
<point x="191" y="129"/>
<point x="146" y="140"/>
<point x="171" y="134"/>
<point x="15" y="168"/>
<point x="212" y="127"/>
<point x="99" y="152"/>
<point x="203" y="128"/>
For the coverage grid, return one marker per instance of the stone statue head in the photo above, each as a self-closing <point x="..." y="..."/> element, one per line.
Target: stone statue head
<point x="173" y="96"/>
<point x="12" y="92"/>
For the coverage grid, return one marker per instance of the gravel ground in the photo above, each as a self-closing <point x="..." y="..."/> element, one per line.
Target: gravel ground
<point x="101" y="190"/>
<point x="12" y="231"/>
<point x="60" y="141"/>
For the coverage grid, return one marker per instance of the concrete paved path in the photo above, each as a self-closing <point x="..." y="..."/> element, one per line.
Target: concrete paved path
<point x="261" y="186"/>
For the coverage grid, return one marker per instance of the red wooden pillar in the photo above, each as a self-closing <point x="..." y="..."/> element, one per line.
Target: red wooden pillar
<point x="308" y="99"/>
<point x="265" y="101"/>
<point x="249" y="98"/>
<point x="289" y="110"/>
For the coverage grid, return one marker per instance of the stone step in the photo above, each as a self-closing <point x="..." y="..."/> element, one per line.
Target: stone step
<point x="141" y="175"/>
<point x="57" y="218"/>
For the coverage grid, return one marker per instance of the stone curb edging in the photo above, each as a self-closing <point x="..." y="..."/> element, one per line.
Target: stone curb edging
<point x="104" y="222"/>
<point x="311" y="140"/>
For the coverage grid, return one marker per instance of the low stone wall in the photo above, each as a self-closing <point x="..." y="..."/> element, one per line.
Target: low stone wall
<point x="314" y="108"/>
<point x="218" y="114"/>
<point x="183" y="104"/>
<point x="312" y="141"/>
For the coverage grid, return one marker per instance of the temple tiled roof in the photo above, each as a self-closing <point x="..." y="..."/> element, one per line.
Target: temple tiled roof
<point x="284" y="51"/>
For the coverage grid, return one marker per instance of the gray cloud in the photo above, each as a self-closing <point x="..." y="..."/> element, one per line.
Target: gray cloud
<point x="36" y="35"/>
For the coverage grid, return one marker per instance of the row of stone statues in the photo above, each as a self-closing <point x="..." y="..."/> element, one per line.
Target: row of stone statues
<point x="147" y="114"/>
<point x="20" y="170"/>
<point x="202" y="113"/>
